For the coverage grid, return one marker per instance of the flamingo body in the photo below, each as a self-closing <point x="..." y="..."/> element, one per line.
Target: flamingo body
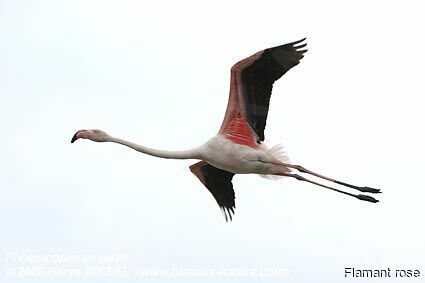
<point x="238" y="158"/>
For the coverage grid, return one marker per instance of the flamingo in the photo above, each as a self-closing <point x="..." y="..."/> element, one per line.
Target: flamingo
<point x="238" y="147"/>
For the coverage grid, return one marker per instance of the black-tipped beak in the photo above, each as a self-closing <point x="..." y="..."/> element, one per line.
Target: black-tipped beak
<point x="74" y="138"/>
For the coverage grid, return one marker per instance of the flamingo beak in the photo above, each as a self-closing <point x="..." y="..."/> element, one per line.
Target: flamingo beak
<point x="78" y="135"/>
<point x="75" y="137"/>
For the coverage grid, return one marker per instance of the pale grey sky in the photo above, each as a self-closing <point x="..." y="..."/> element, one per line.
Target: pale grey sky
<point x="157" y="73"/>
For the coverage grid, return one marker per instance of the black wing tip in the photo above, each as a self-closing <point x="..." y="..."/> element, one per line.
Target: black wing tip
<point x="297" y="48"/>
<point x="299" y="45"/>
<point x="219" y="184"/>
<point x="292" y="45"/>
<point x="298" y="41"/>
<point x="228" y="212"/>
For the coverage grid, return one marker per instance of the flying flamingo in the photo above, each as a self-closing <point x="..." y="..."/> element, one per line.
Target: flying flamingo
<point x="238" y="147"/>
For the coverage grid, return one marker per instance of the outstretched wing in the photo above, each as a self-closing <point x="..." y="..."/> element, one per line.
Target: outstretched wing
<point x="219" y="183"/>
<point x="251" y="85"/>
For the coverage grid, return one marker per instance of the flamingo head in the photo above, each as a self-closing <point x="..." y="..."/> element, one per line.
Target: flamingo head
<point x="93" y="135"/>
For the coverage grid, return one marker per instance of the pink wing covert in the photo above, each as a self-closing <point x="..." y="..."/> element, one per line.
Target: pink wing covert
<point x="235" y="126"/>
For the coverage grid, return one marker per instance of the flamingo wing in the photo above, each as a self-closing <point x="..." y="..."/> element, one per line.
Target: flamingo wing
<point x="250" y="89"/>
<point x="219" y="183"/>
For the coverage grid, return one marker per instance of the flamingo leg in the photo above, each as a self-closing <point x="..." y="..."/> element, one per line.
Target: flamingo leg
<point x="301" y="178"/>
<point x="361" y="189"/>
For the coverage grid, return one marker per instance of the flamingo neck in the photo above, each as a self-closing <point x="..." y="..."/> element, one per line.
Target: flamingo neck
<point x="183" y="154"/>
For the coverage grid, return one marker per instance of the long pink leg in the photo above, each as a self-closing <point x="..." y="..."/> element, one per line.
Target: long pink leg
<point x="301" y="178"/>
<point x="361" y="189"/>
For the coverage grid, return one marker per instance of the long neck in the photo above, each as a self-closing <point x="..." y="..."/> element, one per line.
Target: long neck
<point x="183" y="154"/>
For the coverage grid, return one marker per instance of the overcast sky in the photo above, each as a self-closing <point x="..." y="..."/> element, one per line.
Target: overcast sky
<point x="157" y="73"/>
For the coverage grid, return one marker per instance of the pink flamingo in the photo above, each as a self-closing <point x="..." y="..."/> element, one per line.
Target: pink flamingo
<point x="238" y="147"/>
